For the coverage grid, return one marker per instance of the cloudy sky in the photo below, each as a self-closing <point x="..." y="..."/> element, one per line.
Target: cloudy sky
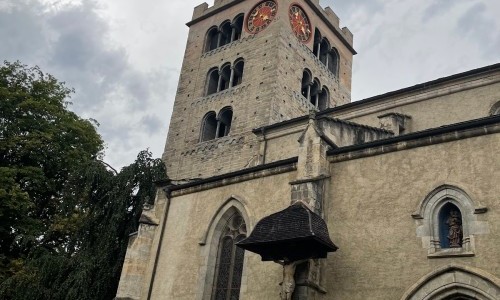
<point x="123" y="56"/>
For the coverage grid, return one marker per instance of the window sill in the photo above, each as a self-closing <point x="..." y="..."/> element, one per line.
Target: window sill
<point x="451" y="252"/>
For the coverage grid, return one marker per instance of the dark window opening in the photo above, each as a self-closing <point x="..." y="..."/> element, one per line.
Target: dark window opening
<point x="324" y="99"/>
<point x="212" y="39"/>
<point x="225" y="119"/>
<point x="225" y="78"/>
<point x="317" y="41"/>
<point x="333" y="61"/>
<point x="314" y="93"/>
<point x="306" y="84"/>
<point x="237" y="27"/>
<point x="450" y="226"/>
<point x="323" y="53"/>
<point x="225" y="34"/>
<point x="212" y="82"/>
<point x="238" y="72"/>
<point x="208" y="127"/>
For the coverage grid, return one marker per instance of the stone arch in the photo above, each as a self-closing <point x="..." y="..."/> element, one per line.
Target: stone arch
<point x="209" y="242"/>
<point x="306" y="82"/>
<point x="238" y="66"/>
<point x="495" y="109"/>
<point x="334" y="61"/>
<point x="212" y="82"/>
<point x="429" y="211"/>
<point x="225" y="77"/>
<point x="224" y="118"/>
<point x="324" y="99"/>
<point x="211" y="38"/>
<point x="225" y="30"/>
<point x="208" y="128"/>
<point x="237" y="25"/>
<point x="455" y="282"/>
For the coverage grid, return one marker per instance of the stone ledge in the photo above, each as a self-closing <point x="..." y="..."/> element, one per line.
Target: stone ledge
<point x="227" y="46"/>
<point x="235" y="90"/>
<point x="451" y="252"/>
<point x="215" y="144"/>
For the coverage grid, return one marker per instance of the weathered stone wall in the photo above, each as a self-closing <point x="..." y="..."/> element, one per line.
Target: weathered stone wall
<point x="182" y="266"/>
<point x="269" y="93"/>
<point x="370" y="209"/>
<point x="434" y="106"/>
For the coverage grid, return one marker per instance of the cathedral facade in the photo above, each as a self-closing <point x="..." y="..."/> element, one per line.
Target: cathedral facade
<point x="407" y="182"/>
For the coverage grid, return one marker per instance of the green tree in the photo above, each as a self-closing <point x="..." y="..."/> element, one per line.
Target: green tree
<point x="65" y="217"/>
<point x="42" y="144"/>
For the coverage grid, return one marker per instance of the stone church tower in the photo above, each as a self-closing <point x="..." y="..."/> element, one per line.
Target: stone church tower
<point x="237" y="77"/>
<point x="405" y="184"/>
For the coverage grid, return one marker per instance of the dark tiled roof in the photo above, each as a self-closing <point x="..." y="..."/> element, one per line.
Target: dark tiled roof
<point x="294" y="233"/>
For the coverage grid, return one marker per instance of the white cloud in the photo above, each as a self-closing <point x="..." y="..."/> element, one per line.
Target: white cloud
<point x="124" y="56"/>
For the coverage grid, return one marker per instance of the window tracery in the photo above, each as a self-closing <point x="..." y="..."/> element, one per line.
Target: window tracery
<point x="229" y="266"/>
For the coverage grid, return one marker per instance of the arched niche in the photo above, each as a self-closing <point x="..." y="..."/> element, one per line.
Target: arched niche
<point x="431" y="217"/>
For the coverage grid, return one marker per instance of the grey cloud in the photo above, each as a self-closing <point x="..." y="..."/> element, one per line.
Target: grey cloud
<point x="478" y="24"/>
<point x="72" y="43"/>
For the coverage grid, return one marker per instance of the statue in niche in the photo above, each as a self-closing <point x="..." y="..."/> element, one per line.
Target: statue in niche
<point x="288" y="284"/>
<point x="454" y="229"/>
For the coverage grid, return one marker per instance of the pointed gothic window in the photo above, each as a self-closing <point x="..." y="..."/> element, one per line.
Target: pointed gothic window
<point x="229" y="265"/>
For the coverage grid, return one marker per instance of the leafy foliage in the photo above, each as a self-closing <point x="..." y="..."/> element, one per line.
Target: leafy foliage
<point x="64" y="216"/>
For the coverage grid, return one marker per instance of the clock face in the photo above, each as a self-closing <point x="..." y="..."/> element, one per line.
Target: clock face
<point x="301" y="26"/>
<point x="261" y="16"/>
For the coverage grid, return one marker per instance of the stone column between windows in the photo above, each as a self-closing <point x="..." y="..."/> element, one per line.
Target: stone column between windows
<point x="233" y="32"/>
<point x="219" y="82"/>
<point x="231" y="77"/>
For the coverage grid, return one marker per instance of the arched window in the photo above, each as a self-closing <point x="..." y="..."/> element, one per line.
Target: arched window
<point x="324" y="50"/>
<point x="237" y="27"/>
<point x="314" y="92"/>
<point x="306" y="84"/>
<point x="208" y="127"/>
<point x="212" y="85"/>
<point x="324" y="99"/>
<point x="333" y="61"/>
<point x="224" y="121"/>
<point x="238" y="72"/>
<point x="225" y="77"/>
<point x="229" y="265"/>
<point x="448" y="222"/>
<point x="317" y="42"/>
<point x="212" y="39"/>
<point x="225" y="33"/>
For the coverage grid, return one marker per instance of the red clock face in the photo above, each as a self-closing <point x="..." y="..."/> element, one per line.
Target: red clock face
<point x="261" y="16"/>
<point x="301" y="26"/>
